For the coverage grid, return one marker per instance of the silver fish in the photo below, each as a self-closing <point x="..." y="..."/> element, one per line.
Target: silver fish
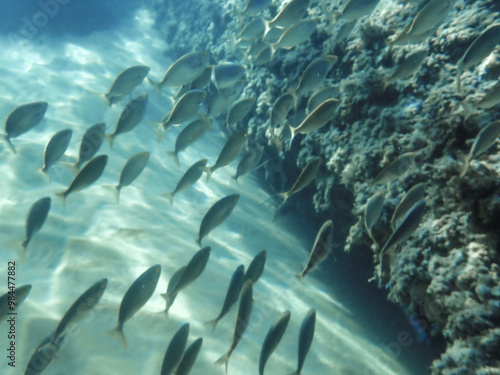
<point x="320" y="250"/>
<point x="22" y="119"/>
<point x="289" y="15"/>
<point x="229" y="152"/>
<point x="136" y="296"/>
<point x="263" y="57"/>
<point x="396" y="168"/>
<point x="355" y="9"/>
<point x="238" y="111"/>
<point x="254" y="7"/>
<point x="175" y="350"/>
<point x="192" y="175"/>
<point x="172" y="284"/>
<point x="281" y="107"/>
<point x="373" y="210"/>
<point x="252" y="30"/>
<point x="216" y="215"/>
<point x="491" y="98"/>
<point x="295" y="35"/>
<point x="256" y="267"/>
<point x="125" y="82"/>
<point x="87" y="176"/>
<point x="91" y="142"/>
<point x="10" y="301"/>
<point x="130" y="117"/>
<point x="304" y="179"/>
<point x="484" y="140"/>
<point x="190" y="134"/>
<point x="131" y="170"/>
<point x="232" y="295"/>
<point x="44" y="353"/>
<point x="249" y="161"/>
<point x="227" y="74"/>
<point x="320" y="96"/>
<point x="189" y="357"/>
<point x="55" y="148"/>
<point x="407" y="66"/>
<point x="220" y="101"/>
<point x="414" y="195"/>
<point x="36" y="218"/>
<point x="306" y="336"/>
<point x="273" y="338"/>
<point x="243" y="318"/>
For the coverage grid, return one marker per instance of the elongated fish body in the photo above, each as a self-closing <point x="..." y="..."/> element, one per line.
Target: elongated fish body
<point x="36" y="218"/>
<point x="409" y="65"/>
<point x="289" y="15"/>
<point x="491" y="99"/>
<point x="320" y="96"/>
<point x="44" y="354"/>
<point x="80" y="308"/>
<point x="136" y="296"/>
<point x="484" y="140"/>
<point x="238" y="111"/>
<point x="22" y="119"/>
<point x="396" y="168"/>
<point x="232" y="295"/>
<point x="190" y="134"/>
<point x="16" y="298"/>
<point x="132" y="169"/>
<point x="256" y="267"/>
<point x="306" y="336"/>
<point x="243" y="318"/>
<point x="227" y="74"/>
<point x="295" y="35"/>
<point x="254" y="7"/>
<point x="263" y="57"/>
<point x="429" y="17"/>
<point x="175" y="350"/>
<point x="87" y="176"/>
<point x="230" y="151"/>
<point x="282" y="106"/>
<point x="252" y="31"/>
<point x="355" y="9"/>
<point x="189" y="178"/>
<point x="193" y="270"/>
<point x="273" y="338"/>
<point x="91" y="142"/>
<point x="189" y="357"/>
<point x="414" y="195"/>
<point x="216" y="215"/>
<point x="249" y="161"/>
<point x="130" y="117"/>
<point x="373" y="210"/>
<point x="172" y="284"/>
<point x="313" y="76"/>
<point x="320" y="250"/>
<point x="55" y="148"/>
<point x="316" y="119"/>
<point x="185" y="69"/>
<point x="479" y="49"/>
<point x="125" y="82"/>
<point x="185" y="108"/>
<point x="304" y="179"/>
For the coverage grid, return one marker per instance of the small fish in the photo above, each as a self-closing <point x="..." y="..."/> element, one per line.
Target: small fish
<point x="87" y="176"/>
<point x="414" y="195"/>
<point x="355" y="9"/>
<point x="203" y="80"/>
<point x="232" y="295"/>
<point x="273" y="338"/>
<point x="190" y="134"/>
<point x="289" y="15"/>
<point x="491" y="99"/>
<point x="484" y="140"/>
<point x="10" y="301"/>
<point x="44" y="353"/>
<point x="263" y="57"/>
<point x="403" y="231"/>
<point x="125" y="82"/>
<point x="313" y="76"/>
<point x="252" y="31"/>
<point x="91" y="142"/>
<point x="192" y="175"/>
<point x="281" y="107"/>
<point x="175" y="350"/>
<point x="216" y="215"/>
<point x="320" y="96"/>
<point x="429" y="17"/>
<point x="295" y="35"/>
<point x="55" y="148"/>
<point x="249" y="161"/>
<point x="256" y="267"/>
<point x="130" y="117"/>
<point x="131" y="170"/>
<point x="479" y="49"/>
<point x="189" y="357"/>
<point x="227" y="74"/>
<point x="238" y="111"/>
<point x="34" y="221"/>
<point x="255" y="7"/>
<point x="306" y="336"/>
<point x="396" y="168"/>
<point x="407" y="66"/>
<point x="185" y="108"/>
<point x="316" y="119"/>
<point x="80" y="308"/>
<point x="229" y="152"/>
<point x="172" y="283"/>
<point x="193" y="270"/>
<point x="136" y="296"/>
<point x="273" y="35"/>
<point x="304" y="179"/>
<point x="22" y="119"/>
<point x="320" y="250"/>
<point x="220" y="101"/>
<point x="373" y="210"/>
<point x="243" y="318"/>
<point x="184" y="70"/>
<point x="344" y="31"/>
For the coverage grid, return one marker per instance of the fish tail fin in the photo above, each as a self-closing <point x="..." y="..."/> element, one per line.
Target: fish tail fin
<point x="175" y="156"/>
<point x="110" y="139"/>
<point x="118" y="334"/>
<point x="211" y="324"/>
<point x="459" y="73"/>
<point x="235" y="178"/>
<point x="295" y="97"/>
<point x="292" y="136"/>
<point x="209" y="171"/>
<point x="198" y="241"/>
<point x="73" y="167"/>
<point x="385" y="82"/>
<point x="468" y="109"/>
<point x="224" y="360"/>
<point x="170" y="197"/>
<point x="300" y="276"/>
<point x="284" y="195"/>
<point x="117" y="194"/>
<point x="9" y="143"/>
<point x="22" y="250"/>
<point x="466" y="167"/>
<point x="157" y="85"/>
<point x="167" y="299"/>
<point x="63" y="196"/>
<point x="45" y="174"/>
